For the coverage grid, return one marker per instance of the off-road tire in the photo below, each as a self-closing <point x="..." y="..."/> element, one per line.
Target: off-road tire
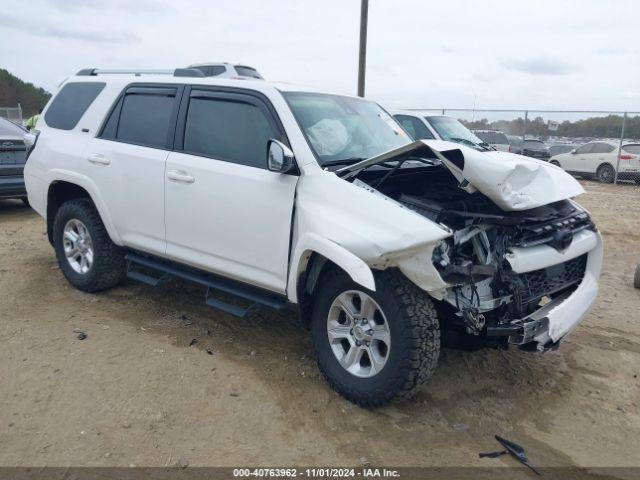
<point x="606" y="173"/>
<point x="108" y="268"/>
<point x="415" y="338"/>
<point x="636" y="278"/>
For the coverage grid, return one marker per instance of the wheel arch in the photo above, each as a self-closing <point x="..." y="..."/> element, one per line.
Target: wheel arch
<point x="311" y="257"/>
<point x="63" y="189"/>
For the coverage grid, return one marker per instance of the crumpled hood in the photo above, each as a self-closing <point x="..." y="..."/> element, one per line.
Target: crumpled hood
<point x="511" y="181"/>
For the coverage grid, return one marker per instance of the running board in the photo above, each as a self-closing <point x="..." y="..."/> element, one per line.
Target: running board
<point x="214" y="284"/>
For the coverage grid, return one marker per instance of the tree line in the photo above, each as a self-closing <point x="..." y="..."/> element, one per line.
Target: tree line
<point x="602" y="127"/>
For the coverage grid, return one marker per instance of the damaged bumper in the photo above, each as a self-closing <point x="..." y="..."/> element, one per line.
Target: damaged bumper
<point x="545" y="327"/>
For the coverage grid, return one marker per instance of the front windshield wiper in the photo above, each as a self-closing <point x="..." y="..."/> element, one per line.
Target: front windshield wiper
<point x="343" y="161"/>
<point x="465" y="141"/>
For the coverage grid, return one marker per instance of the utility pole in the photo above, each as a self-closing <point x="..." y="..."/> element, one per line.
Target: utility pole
<point x="362" y="56"/>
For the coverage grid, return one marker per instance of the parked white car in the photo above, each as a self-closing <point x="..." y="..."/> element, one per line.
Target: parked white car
<point x="495" y="138"/>
<point x="421" y="126"/>
<point x="281" y="196"/>
<point x="598" y="159"/>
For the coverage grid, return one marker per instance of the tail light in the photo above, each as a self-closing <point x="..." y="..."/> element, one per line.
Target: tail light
<point x="30" y="140"/>
<point x="626" y="156"/>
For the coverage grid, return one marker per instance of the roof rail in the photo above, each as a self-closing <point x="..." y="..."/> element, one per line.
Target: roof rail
<point x="177" y="72"/>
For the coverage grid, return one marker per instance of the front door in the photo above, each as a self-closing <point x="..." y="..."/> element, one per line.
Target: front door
<point x="224" y="211"/>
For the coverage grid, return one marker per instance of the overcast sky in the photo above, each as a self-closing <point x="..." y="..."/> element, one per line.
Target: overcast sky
<point x="579" y="54"/>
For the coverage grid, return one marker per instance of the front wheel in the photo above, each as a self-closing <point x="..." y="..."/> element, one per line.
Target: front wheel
<point x="88" y="258"/>
<point x="372" y="347"/>
<point x="606" y="173"/>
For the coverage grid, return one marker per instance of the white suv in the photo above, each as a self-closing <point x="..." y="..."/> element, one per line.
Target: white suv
<point x="280" y="196"/>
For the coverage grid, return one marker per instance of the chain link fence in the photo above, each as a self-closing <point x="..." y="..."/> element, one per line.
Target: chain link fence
<point x="600" y="145"/>
<point x="13" y="114"/>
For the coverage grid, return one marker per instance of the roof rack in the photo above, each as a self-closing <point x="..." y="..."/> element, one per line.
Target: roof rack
<point x="177" y="72"/>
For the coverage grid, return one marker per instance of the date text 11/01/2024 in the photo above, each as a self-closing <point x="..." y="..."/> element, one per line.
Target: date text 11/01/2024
<point x="316" y="473"/>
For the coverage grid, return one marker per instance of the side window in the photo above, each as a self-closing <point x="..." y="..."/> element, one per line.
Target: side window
<point x="414" y="127"/>
<point x="585" y="148"/>
<point x="215" y="70"/>
<point x="70" y="103"/>
<point x="228" y="129"/>
<point x="602" y="148"/>
<point x="142" y="117"/>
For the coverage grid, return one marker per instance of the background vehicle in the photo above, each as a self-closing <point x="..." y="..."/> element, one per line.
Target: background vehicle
<point x="530" y="147"/>
<point x="558" y="149"/>
<point x="495" y="138"/>
<point x="598" y="159"/>
<point x="13" y="153"/>
<point x="282" y="197"/>
<point x="227" y="70"/>
<point x="440" y="127"/>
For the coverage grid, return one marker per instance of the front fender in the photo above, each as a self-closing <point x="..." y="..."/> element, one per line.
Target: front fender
<point x="311" y="243"/>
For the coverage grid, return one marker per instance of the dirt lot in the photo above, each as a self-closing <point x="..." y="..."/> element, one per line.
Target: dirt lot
<point x="135" y="393"/>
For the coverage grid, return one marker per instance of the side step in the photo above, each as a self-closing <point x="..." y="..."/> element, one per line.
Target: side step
<point x="214" y="284"/>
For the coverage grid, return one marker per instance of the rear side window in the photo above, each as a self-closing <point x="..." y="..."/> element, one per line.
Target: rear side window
<point x="414" y="127"/>
<point x="602" y="148"/>
<point x="226" y="129"/>
<point x="247" y="72"/>
<point x="70" y="104"/>
<point x="585" y="148"/>
<point x="633" y="149"/>
<point x="497" y="138"/>
<point x="143" y="117"/>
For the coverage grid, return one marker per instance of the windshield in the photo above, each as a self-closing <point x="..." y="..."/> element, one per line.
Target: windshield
<point x="452" y="130"/>
<point x="497" y="138"/>
<point x="344" y="129"/>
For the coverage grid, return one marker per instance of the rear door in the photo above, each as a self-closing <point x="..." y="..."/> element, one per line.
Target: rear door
<point x="127" y="162"/>
<point x="600" y="153"/>
<point x="577" y="161"/>
<point x="225" y="212"/>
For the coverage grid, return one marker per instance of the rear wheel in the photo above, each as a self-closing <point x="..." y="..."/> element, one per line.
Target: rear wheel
<point x="88" y="258"/>
<point x="606" y="173"/>
<point x="372" y="347"/>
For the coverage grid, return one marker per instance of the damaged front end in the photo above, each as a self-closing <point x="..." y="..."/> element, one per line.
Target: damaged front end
<point x="506" y="269"/>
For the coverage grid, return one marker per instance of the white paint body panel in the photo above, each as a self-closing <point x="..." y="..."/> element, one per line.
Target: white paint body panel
<point x="542" y="256"/>
<point x="233" y="219"/>
<point x="564" y="315"/>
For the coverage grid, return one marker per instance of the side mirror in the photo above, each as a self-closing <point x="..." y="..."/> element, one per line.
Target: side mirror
<point x="279" y="157"/>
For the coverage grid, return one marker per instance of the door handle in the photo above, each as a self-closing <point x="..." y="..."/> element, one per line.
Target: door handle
<point x="98" y="159"/>
<point x="180" y="176"/>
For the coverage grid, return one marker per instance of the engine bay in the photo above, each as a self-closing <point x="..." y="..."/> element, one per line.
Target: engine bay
<point x="485" y="293"/>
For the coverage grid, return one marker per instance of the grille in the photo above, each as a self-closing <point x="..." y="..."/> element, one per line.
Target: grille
<point x="548" y="281"/>
<point x="539" y="234"/>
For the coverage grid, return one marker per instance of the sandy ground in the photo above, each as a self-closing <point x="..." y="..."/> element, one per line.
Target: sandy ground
<point x="135" y="393"/>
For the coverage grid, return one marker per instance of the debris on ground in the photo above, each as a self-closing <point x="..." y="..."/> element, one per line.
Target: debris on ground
<point x="513" y="449"/>
<point x="193" y="342"/>
<point x="183" y="462"/>
<point x="209" y="351"/>
<point x="81" y="335"/>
